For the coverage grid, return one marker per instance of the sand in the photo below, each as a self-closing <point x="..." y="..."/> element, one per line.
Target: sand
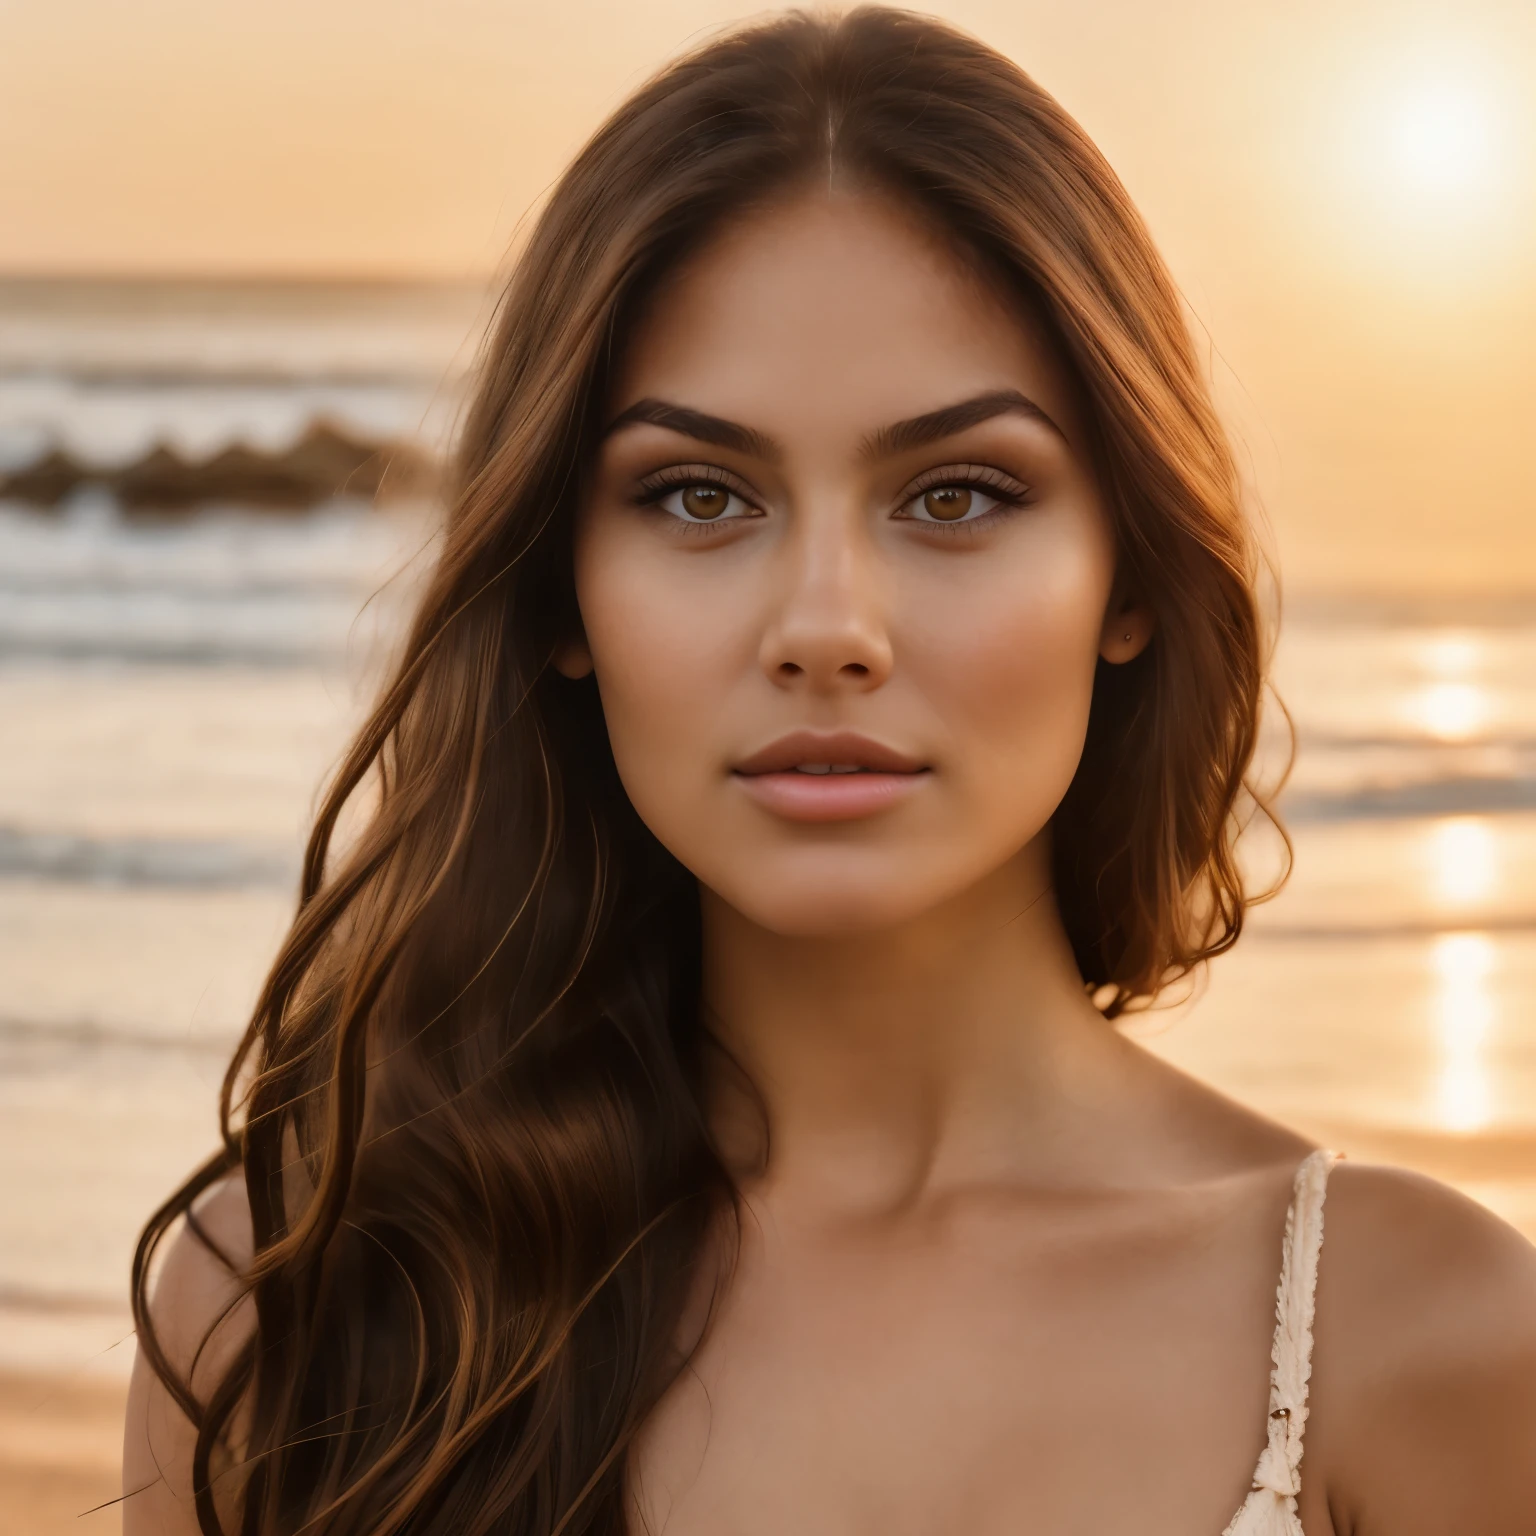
<point x="60" y="1455"/>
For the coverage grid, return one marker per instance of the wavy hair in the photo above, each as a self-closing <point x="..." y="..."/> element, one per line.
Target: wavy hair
<point x="468" y="1107"/>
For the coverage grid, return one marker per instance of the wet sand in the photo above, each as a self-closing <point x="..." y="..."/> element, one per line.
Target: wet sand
<point x="60" y="1455"/>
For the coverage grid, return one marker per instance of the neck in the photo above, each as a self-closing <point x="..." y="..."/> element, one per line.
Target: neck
<point x="951" y="1049"/>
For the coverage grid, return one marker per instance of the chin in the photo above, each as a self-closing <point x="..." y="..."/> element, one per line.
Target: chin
<point x="826" y="898"/>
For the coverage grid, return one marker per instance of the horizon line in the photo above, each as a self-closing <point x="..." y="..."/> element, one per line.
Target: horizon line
<point x="273" y="276"/>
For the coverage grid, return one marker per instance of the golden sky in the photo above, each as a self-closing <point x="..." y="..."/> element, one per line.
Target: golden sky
<point x="1344" y="189"/>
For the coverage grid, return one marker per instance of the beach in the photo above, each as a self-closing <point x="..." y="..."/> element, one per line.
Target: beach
<point x="60" y="1454"/>
<point x="176" y="683"/>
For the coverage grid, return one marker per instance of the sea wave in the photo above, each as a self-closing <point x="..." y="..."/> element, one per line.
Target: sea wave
<point x="41" y="1038"/>
<point x="1518" y="925"/>
<point x="197" y="863"/>
<point x="235" y="588"/>
<point x="276" y="627"/>
<point x="1449" y="796"/>
<point x="109" y="422"/>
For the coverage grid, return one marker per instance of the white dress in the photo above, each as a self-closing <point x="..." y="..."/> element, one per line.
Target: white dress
<point x="1270" y="1508"/>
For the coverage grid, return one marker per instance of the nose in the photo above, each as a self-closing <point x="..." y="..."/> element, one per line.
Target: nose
<point x="828" y="633"/>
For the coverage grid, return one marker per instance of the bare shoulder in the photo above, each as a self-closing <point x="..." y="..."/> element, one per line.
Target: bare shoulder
<point x="200" y="1321"/>
<point x="202" y="1268"/>
<point x="1424" y="1381"/>
<point x="1411" y="1259"/>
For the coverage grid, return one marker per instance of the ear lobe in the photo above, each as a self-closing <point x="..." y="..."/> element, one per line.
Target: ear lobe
<point x="573" y="660"/>
<point x="1126" y="634"/>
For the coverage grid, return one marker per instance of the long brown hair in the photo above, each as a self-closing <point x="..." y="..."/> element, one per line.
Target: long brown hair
<point x="468" y="1105"/>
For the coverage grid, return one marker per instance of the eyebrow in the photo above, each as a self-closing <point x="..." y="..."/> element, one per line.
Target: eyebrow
<point x="699" y="425"/>
<point x="949" y="420"/>
<point x="899" y="437"/>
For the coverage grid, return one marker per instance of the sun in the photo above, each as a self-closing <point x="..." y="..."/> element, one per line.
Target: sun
<point x="1442" y="140"/>
<point x="1423" y="162"/>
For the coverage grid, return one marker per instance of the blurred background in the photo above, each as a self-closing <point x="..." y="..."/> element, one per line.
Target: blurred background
<point x="245" y="253"/>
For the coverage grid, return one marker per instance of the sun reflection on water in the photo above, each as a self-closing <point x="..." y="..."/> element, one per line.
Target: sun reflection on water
<point x="1463" y="860"/>
<point x="1463" y="964"/>
<point x="1451" y="711"/>
<point x="1452" y="654"/>
<point x="1454" y="706"/>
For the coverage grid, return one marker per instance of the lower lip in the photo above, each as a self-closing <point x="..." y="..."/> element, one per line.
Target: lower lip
<point x="829" y="796"/>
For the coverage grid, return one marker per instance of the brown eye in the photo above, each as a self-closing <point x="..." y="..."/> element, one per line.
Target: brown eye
<point x="705" y="502"/>
<point x="947" y="503"/>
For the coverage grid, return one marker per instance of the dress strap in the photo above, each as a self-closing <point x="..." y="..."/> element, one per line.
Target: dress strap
<point x="1279" y="1469"/>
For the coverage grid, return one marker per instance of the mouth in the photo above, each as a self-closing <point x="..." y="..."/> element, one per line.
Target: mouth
<point x="818" y="754"/>
<point x="828" y="768"/>
<point x="811" y="776"/>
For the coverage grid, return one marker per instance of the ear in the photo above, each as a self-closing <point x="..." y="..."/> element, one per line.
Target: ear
<point x="573" y="660"/>
<point x="1127" y="632"/>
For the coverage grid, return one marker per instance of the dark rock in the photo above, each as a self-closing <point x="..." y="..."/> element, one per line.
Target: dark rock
<point x="325" y="462"/>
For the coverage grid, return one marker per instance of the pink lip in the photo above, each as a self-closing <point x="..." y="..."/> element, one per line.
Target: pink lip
<point x="769" y="776"/>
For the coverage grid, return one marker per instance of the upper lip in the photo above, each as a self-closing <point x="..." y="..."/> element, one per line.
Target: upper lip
<point x="846" y="749"/>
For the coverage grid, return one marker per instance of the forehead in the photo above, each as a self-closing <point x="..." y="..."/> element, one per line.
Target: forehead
<point x="836" y="312"/>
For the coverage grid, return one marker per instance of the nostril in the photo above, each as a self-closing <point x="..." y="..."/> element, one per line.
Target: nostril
<point x="857" y="668"/>
<point x="790" y="668"/>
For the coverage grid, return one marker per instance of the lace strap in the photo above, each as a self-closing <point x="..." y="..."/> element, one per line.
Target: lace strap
<point x="1279" y="1468"/>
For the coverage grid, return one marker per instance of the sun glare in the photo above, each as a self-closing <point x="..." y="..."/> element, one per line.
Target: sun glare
<point x="1451" y="711"/>
<point x="1454" y="705"/>
<point x="1426" y="157"/>
<point x="1464" y="1004"/>
<point x="1441" y="139"/>
<point x="1463" y="860"/>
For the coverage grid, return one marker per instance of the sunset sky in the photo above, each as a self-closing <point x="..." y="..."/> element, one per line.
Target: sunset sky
<point x="1344" y="190"/>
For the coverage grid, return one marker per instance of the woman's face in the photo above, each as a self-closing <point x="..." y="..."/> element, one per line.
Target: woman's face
<point x="844" y="571"/>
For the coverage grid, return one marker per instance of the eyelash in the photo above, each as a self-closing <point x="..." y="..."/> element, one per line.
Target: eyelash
<point x="679" y="477"/>
<point x="1002" y="487"/>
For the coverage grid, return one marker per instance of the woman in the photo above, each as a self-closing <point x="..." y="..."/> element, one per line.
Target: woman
<point x="688" y="1103"/>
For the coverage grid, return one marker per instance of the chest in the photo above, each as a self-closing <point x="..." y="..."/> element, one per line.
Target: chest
<point x="995" y="1378"/>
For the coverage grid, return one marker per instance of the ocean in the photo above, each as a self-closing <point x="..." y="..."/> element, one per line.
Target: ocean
<point x="176" y="681"/>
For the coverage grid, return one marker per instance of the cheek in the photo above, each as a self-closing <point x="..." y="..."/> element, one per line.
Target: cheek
<point x="663" y="654"/>
<point x="1009" y="662"/>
